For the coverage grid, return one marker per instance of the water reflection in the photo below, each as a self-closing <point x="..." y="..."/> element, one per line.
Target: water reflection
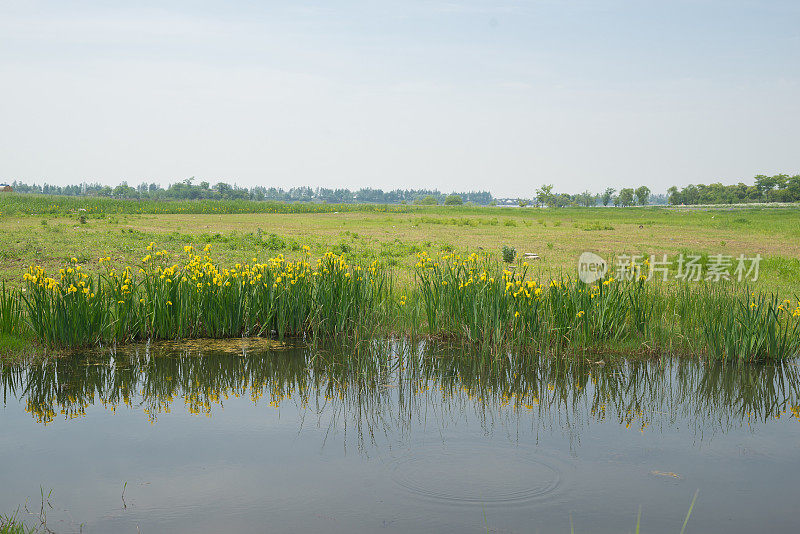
<point x="385" y="389"/>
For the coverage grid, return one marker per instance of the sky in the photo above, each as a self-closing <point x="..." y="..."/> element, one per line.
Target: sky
<point x="457" y="95"/>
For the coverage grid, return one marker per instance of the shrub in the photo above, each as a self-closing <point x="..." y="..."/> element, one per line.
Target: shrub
<point x="509" y="253"/>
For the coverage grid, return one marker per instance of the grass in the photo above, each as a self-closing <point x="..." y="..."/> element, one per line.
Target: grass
<point x="97" y="207"/>
<point x="10" y="525"/>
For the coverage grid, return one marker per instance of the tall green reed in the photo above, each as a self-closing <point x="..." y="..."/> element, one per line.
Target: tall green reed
<point x="199" y="298"/>
<point x="10" y="311"/>
<point x="474" y="299"/>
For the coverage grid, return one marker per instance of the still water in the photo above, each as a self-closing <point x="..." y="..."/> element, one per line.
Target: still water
<point x="251" y="437"/>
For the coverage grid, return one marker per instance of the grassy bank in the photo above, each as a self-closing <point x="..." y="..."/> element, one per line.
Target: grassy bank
<point x="471" y="299"/>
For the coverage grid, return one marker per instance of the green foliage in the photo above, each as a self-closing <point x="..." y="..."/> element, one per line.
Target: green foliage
<point x="273" y="242"/>
<point x="453" y="200"/>
<point x="9" y="524"/>
<point x="509" y="253"/>
<point x="608" y="194"/>
<point x="642" y="195"/>
<point x="458" y="221"/>
<point x="777" y="188"/>
<point x="749" y="327"/>
<point x="10" y="311"/>
<point x="472" y="297"/>
<point x="590" y="226"/>
<point x="428" y="200"/>
<point x="198" y="298"/>
<point x="13" y="204"/>
<point x="625" y="197"/>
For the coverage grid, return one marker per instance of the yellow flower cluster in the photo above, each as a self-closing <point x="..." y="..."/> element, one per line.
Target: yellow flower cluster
<point x="71" y="280"/>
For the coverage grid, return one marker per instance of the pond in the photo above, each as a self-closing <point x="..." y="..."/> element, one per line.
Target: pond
<point x="256" y="437"/>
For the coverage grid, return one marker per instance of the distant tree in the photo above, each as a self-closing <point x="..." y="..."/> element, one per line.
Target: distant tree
<point x="223" y="189"/>
<point x="607" y="195"/>
<point x="587" y="199"/>
<point x="674" y="195"/>
<point x="625" y="197"/>
<point x="765" y="184"/>
<point x="522" y="202"/>
<point x="642" y="195"/>
<point x="453" y="200"/>
<point x="428" y="200"/>
<point x="544" y="195"/>
<point x="123" y="190"/>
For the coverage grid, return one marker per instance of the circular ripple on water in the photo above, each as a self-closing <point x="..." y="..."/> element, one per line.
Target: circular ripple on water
<point x="472" y="473"/>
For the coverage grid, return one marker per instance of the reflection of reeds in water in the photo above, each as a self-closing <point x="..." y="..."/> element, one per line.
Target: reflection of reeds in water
<point x="385" y="386"/>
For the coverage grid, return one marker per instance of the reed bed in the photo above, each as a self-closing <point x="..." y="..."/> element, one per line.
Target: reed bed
<point x="197" y="297"/>
<point x="470" y="299"/>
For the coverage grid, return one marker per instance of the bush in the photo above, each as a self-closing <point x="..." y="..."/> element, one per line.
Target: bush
<point x="509" y="253"/>
<point x="428" y="200"/>
<point x="274" y="242"/>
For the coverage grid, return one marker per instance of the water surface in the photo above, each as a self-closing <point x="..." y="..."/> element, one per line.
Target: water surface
<point x="248" y="437"/>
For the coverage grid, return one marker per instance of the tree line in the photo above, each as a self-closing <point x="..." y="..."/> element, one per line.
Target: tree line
<point x="778" y="188"/>
<point x="188" y="190"/>
<point x="640" y="196"/>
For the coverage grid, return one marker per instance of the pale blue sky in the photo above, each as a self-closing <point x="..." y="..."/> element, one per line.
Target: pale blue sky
<point x="457" y="95"/>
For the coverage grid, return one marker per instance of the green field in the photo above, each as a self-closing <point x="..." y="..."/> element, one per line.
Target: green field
<point x="47" y="231"/>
